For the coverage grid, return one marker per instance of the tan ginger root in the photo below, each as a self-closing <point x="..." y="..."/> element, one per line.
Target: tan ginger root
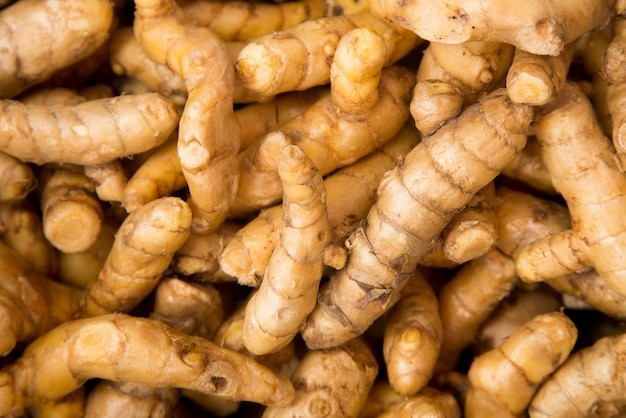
<point x="110" y="399"/>
<point x="528" y="168"/>
<point x="30" y="303"/>
<point x="288" y="292"/>
<point x="143" y="248"/>
<point x="569" y="126"/>
<point x="266" y="65"/>
<point x="109" y="180"/>
<point x="504" y="380"/>
<point x="350" y="192"/>
<point x="412" y="337"/>
<point x="70" y="406"/>
<point x="245" y="21"/>
<point x="99" y="130"/>
<point x="428" y="403"/>
<point x="30" y="54"/>
<point x="209" y="134"/>
<point x="539" y="28"/>
<point x="316" y="132"/>
<point x="468" y="299"/>
<point x="113" y="347"/>
<point x="437" y="178"/>
<point x="590" y="382"/>
<point x="434" y="102"/>
<point x="71" y="212"/>
<point x="17" y="179"/>
<point x="333" y="382"/>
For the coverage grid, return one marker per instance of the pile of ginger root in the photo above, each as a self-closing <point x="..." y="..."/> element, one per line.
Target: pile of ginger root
<point x="312" y="208"/>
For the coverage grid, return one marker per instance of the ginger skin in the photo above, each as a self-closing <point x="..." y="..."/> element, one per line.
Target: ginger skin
<point x="385" y="250"/>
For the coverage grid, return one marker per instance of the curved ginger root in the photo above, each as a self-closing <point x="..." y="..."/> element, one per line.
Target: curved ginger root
<point x="288" y="291"/>
<point x="209" y="135"/>
<point x="143" y="248"/>
<point x="504" y="380"/>
<point x="113" y="347"/>
<point x="415" y="202"/>
<point x="41" y="37"/>
<point x="542" y="28"/>
<point x="99" y="131"/>
<point x="17" y="179"/>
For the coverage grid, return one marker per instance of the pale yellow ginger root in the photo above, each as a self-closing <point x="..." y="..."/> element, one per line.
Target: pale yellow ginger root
<point x="379" y="399"/>
<point x="201" y="252"/>
<point x="113" y="347"/>
<point x="99" y="130"/>
<point x="209" y="135"/>
<point x="288" y="292"/>
<point x="333" y="382"/>
<point x="505" y="379"/>
<point x="316" y="132"/>
<point x="70" y="406"/>
<point x="31" y="303"/>
<point x="412" y="337"/>
<point x="71" y="212"/>
<point x="345" y="7"/>
<point x="30" y="54"/>
<point x="468" y="299"/>
<point x="589" y="383"/>
<point x="434" y="102"/>
<point x="159" y="175"/>
<point x="528" y="168"/>
<point x="356" y="69"/>
<point x="472" y="231"/>
<point x="21" y="229"/>
<point x="436" y="179"/>
<point x="81" y="268"/>
<point x="245" y="21"/>
<point x="193" y="308"/>
<point x="536" y="79"/>
<point x="596" y="240"/>
<point x="143" y="248"/>
<point x="520" y="306"/>
<point x="266" y="65"/>
<point x="128" y="58"/>
<point x="540" y="28"/>
<point x="109" y="180"/>
<point x="471" y="68"/>
<point x="428" y="403"/>
<point x="51" y="96"/>
<point x="17" y="179"/>
<point x="215" y="405"/>
<point x="110" y="399"/>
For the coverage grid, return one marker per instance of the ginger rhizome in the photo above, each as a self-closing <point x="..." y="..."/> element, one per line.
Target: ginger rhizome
<point x="288" y="292"/>
<point x="17" y="179"/>
<point x="437" y="178"/>
<point x="540" y="28"/>
<point x="113" y="347"/>
<point x="504" y="380"/>
<point x="209" y="135"/>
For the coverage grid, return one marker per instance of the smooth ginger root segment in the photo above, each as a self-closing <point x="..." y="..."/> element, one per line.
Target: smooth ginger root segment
<point x="333" y="382"/>
<point x="431" y="403"/>
<point x="109" y="180"/>
<point x="113" y="347"/>
<point x="589" y="383"/>
<point x="143" y="248"/>
<point x="597" y="238"/>
<point x="99" y="131"/>
<point x="71" y="212"/>
<point x="288" y="292"/>
<point x="528" y="167"/>
<point x="416" y="200"/>
<point x="110" y="399"/>
<point x="412" y="337"/>
<point x="209" y="135"/>
<point x="17" y="179"/>
<point x="30" y="54"/>
<point x="542" y="28"/>
<point x="266" y="65"/>
<point x="434" y="102"/>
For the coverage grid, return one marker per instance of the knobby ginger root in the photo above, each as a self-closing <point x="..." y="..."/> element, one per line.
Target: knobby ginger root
<point x="30" y="54"/>
<point x="109" y="180"/>
<point x="17" y="179"/>
<point x="539" y="28"/>
<point x="209" y="135"/>
<point x="99" y="130"/>
<point x="428" y="403"/>
<point x="434" y="102"/>
<point x="590" y="382"/>
<point x="110" y="399"/>
<point x="143" y="248"/>
<point x="437" y="178"/>
<point x="113" y="347"/>
<point x="412" y="337"/>
<point x="504" y="380"/>
<point x="266" y="65"/>
<point x="333" y="382"/>
<point x="288" y="292"/>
